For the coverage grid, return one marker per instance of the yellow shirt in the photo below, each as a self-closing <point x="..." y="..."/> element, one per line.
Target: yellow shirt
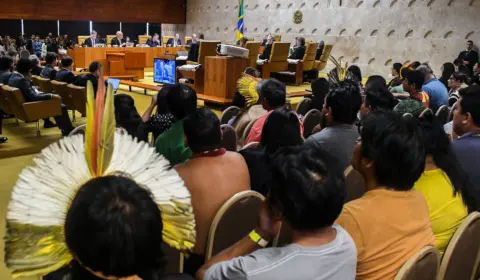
<point x="388" y="228"/>
<point x="446" y="210"/>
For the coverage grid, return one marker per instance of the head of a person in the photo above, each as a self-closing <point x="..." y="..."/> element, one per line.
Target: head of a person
<point x="273" y="94"/>
<point x="32" y="37"/>
<point x="252" y="72"/>
<point x="306" y="175"/>
<point x="24" y="66"/>
<point x="427" y="72"/>
<point x="155" y="36"/>
<point x="377" y="99"/>
<point x="320" y="88"/>
<point x="65" y="36"/>
<point x="414" y="81"/>
<point x="300" y="41"/>
<point x="404" y="72"/>
<point x="321" y="44"/>
<point x="119" y="35"/>
<point x="466" y="116"/>
<point x="342" y="103"/>
<point x="162" y="107"/>
<point x="456" y="80"/>
<point x="469" y="45"/>
<point x="93" y="34"/>
<point x="95" y="68"/>
<point x="34" y="59"/>
<point x="202" y="131"/>
<point x="281" y="129"/>
<point x="465" y="70"/>
<point x="354" y="73"/>
<point x="14" y="55"/>
<point x="396" y="69"/>
<point x="51" y="59"/>
<point x="37" y="38"/>
<point x="194" y="37"/>
<point x="375" y="82"/>
<point x="243" y="41"/>
<point x="476" y="67"/>
<point x="270" y="39"/>
<point x="126" y="114"/>
<point x="6" y="63"/>
<point x="414" y="65"/>
<point x="447" y="70"/>
<point x="375" y="157"/>
<point x="67" y="62"/>
<point x="114" y="229"/>
<point x="201" y="36"/>
<point x="181" y="101"/>
<point x="50" y="35"/>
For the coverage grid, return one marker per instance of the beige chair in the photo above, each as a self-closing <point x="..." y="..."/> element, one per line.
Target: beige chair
<point x="233" y="221"/>
<point x="442" y="114"/>
<point x="165" y="40"/>
<point x="174" y="259"/>
<point x="296" y="71"/>
<point x="142" y="39"/>
<point x="423" y="265"/>
<point x="81" y="39"/>
<point x="79" y="97"/>
<point x="309" y="57"/>
<point x="61" y="88"/>
<point x="4" y="104"/>
<point x="278" y="60"/>
<point x="311" y="119"/>
<point x="78" y="130"/>
<point x="187" y="38"/>
<point x="246" y="132"/>
<point x="251" y="145"/>
<point x="109" y="39"/>
<point x="228" y="114"/>
<point x="461" y="258"/>
<point x="229" y="138"/>
<point x="304" y="106"/>
<point x="44" y="85"/>
<point x="425" y="113"/>
<point x="253" y="49"/>
<point x="354" y="183"/>
<point x="31" y="111"/>
<point x="278" y="37"/>
<point x="319" y="65"/>
<point x="34" y="80"/>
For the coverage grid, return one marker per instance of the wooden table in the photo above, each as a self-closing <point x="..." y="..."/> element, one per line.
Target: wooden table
<point x="125" y="63"/>
<point x="222" y="74"/>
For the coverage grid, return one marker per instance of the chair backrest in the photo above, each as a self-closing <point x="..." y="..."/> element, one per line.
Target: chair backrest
<point x="229" y="138"/>
<point x="407" y="116"/>
<point x="79" y="97"/>
<point x="109" y="38"/>
<point x="354" y="183"/>
<point x="450" y="115"/>
<point x="279" y="52"/>
<point x="278" y="37"/>
<point x="247" y="130"/>
<point x="207" y="48"/>
<point x="174" y="259"/>
<point x="461" y="257"/>
<point x="304" y="106"/>
<point x="24" y="54"/>
<point x="187" y="38"/>
<point x="15" y="99"/>
<point x="234" y="220"/>
<point x="165" y="40"/>
<point x="425" y="112"/>
<point x="309" y="57"/>
<point x="4" y="103"/>
<point x="311" y="119"/>
<point x="44" y="85"/>
<point x="142" y="39"/>
<point x="78" y="130"/>
<point x="251" y="145"/>
<point x="81" y="39"/>
<point x="253" y="49"/>
<point x="442" y="114"/>
<point x="228" y="114"/>
<point x="423" y="265"/>
<point x="61" y="88"/>
<point x="320" y="65"/>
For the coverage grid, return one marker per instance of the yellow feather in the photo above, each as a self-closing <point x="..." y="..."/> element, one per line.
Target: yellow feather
<point x="105" y="150"/>
<point x="90" y="127"/>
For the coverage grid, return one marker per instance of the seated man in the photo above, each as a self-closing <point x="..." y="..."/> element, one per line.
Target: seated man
<point x="436" y="90"/>
<point x="95" y="70"/>
<point x="36" y="66"/>
<point x="223" y="173"/>
<point x="267" y="50"/>
<point x="418" y="100"/>
<point x="377" y="99"/>
<point x="154" y="41"/>
<point x="49" y="71"/>
<point x="339" y="115"/>
<point x="14" y="55"/>
<point x="175" y="41"/>
<point x="118" y="41"/>
<point x="299" y="49"/>
<point x="181" y="102"/>
<point x="6" y="69"/>
<point x="391" y="222"/>
<point x="66" y="73"/>
<point x="466" y="124"/>
<point x="308" y="192"/>
<point x="21" y="80"/>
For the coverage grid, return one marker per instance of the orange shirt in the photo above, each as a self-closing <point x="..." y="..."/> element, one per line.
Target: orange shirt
<point x="255" y="134"/>
<point x="388" y="227"/>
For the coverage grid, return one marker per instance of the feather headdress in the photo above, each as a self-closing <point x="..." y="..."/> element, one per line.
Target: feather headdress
<point x="247" y="87"/>
<point x="338" y="73"/>
<point x="35" y="242"/>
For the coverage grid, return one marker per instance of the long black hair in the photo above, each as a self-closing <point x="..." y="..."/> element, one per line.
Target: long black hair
<point x="439" y="147"/>
<point x="126" y="114"/>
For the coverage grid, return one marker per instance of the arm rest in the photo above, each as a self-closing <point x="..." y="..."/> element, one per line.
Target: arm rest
<point x="42" y="109"/>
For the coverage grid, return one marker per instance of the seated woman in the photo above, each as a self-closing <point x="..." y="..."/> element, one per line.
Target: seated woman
<point x="355" y="74"/>
<point x="399" y="89"/>
<point x="321" y="46"/>
<point x="299" y="49"/>
<point x="444" y="184"/>
<point x="126" y="114"/>
<point x="396" y="75"/>
<point x="159" y="122"/>
<point x="447" y="70"/>
<point x="457" y="81"/>
<point x="320" y="88"/>
<point x="281" y="129"/>
<point x="375" y="99"/>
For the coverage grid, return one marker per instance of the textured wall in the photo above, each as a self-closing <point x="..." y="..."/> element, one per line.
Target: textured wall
<point x="371" y="33"/>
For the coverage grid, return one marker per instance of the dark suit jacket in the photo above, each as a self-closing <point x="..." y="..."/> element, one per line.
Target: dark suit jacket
<point x="81" y="80"/>
<point x="17" y="80"/>
<point x="48" y="72"/>
<point x="471" y="57"/>
<point x="193" y="52"/>
<point x="170" y="42"/>
<point x="319" y="53"/>
<point x="298" y="52"/>
<point x="88" y="42"/>
<point x="116" y="42"/>
<point x="267" y="51"/>
<point x="65" y="76"/>
<point x="36" y="70"/>
<point x="151" y="43"/>
<point x="4" y="77"/>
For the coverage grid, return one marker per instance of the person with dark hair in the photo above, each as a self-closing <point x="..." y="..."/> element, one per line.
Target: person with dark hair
<point x="412" y="84"/>
<point x="273" y="94"/>
<point x="161" y="121"/>
<point x="267" y="51"/>
<point x="222" y="173"/>
<point x="21" y="80"/>
<point x="66" y="73"/>
<point x="375" y="82"/>
<point x="320" y="88"/>
<point x="37" y="46"/>
<point x="243" y="42"/>
<point x="435" y="89"/>
<point x="239" y="99"/>
<point x="355" y="74"/>
<point x="14" y="55"/>
<point x="181" y="102"/>
<point x="36" y="65"/>
<point x="298" y="51"/>
<point x="339" y="114"/>
<point x="377" y="99"/>
<point x="308" y="193"/>
<point x="457" y="81"/>
<point x="6" y="69"/>
<point x="396" y="81"/>
<point x="469" y="56"/>
<point x="154" y="41"/>
<point x="414" y="65"/>
<point x="447" y="70"/>
<point x="398" y="91"/>
<point x="95" y="70"/>
<point x="457" y="63"/>
<point x="443" y="184"/>
<point x="466" y="124"/>
<point x="281" y="129"/>
<point x="49" y="71"/>
<point x="321" y="46"/>
<point x="380" y="222"/>
<point x="126" y="114"/>
<point x="476" y="74"/>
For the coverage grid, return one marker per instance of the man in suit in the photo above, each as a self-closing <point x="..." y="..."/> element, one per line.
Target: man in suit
<point x="21" y="80"/>
<point x="299" y="49"/>
<point x="267" y="51"/>
<point x="49" y="71"/>
<point x="95" y="70"/>
<point x="118" y="41"/>
<point x="174" y="42"/>
<point x="193" y="40"/>
<point x="469" y="56"/>
<point x="155" y="41"/>
<point x="36" y="68"/>
<point x="6" y="69"/>
<point x="92" y="40"/>
<point x="65" y="74"/>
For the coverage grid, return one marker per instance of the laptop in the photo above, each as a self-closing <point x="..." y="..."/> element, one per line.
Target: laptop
<point x="182" y="53"/>
<point x="115" y="83"/>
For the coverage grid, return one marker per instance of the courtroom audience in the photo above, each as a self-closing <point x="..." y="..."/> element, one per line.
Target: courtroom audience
<point x="390" y="222"/>
<point x="21" y="80"/>
<point x="95" y="70"/>
<point x="298" y="51"/>
<point x="377" y="99"/>
<point x="14" y="55"/>
<point x="6" y="69"/>
<point x="396" y="81"/>
<point x="457" y="81"/>
<point x="339" y="113"/>
<point x="126" y="114"/>
<point x="181" y="102"/>
<point x="307" y="194"/>
<point x="436" y="90"/>
<point x="466" y="124"/>
<point x="320" y="89"/>
<point x="212" y="174"/>
<point x="418" y="100"/>
<point x="447" y="70"/>
<point x="159" y="122"/>
<point x="281" y="129"/>
<point x="66" y="73"/>
<point x="37" y="46"/>
<point x="49" y="71"/>
<point x="375" y="82"/>
<point x="36" y="66"/>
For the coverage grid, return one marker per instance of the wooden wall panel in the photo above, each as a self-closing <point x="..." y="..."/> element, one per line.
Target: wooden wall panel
<point x="164" y="11"/>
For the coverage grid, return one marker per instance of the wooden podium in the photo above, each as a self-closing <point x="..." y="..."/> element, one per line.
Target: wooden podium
<point x="222" y="74"/>
<point x="129" y="63"/>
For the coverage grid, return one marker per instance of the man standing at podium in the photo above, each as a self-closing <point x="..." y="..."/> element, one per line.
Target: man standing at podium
<point x="92" y="40"/>
<point x="118" y="41"/>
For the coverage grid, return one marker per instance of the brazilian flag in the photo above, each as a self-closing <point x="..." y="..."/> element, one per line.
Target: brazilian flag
<point x="239" y="34"/>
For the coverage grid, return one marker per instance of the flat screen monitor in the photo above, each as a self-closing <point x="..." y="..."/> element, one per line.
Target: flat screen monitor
<point x="164" y="71"/>
<point x="114" y="82"/>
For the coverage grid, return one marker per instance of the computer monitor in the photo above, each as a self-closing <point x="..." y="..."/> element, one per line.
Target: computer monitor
<point x="114" y="82"/>
<point x="164" y="71"/>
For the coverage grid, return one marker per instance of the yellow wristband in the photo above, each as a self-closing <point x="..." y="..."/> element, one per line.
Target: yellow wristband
<point x="258" y="239"/>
